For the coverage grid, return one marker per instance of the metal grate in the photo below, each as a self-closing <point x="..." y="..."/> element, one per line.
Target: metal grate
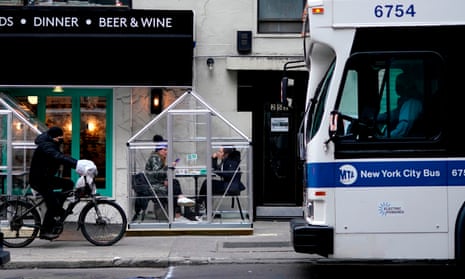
<point x="256" y="244"/>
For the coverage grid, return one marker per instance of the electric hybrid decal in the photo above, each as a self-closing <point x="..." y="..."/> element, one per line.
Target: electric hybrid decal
<point x="386" y="208"/>
<point x="382" y="174"/>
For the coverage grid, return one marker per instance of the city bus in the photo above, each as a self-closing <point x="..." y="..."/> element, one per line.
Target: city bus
<point x="371" y="192"/>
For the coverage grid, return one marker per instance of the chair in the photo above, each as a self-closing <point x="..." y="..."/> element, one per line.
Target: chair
<point x="142" y="181"/>
<point x="234" y="196"/>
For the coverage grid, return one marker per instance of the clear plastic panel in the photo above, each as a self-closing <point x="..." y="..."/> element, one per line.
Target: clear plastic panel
<point x="193" y="131"/>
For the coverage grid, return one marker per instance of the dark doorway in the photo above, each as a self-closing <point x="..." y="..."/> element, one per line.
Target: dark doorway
<point x="277" y="178"/>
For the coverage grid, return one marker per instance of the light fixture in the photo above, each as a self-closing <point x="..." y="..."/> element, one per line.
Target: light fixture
<point x="57" y="89"/>
<point x="33" y="100"/>
<point x="210" y="63"/>
<point x="19" y="126"/>
<point x="91" y="126"/>
<point x="69" y="126"/>
<point x="156" y="100"/>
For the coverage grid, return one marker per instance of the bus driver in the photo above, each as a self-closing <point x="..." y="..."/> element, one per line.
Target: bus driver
<point x="409" y="108"/>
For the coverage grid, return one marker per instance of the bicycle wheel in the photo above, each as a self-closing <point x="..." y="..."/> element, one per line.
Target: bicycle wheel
<point x="18" y="227"/>
<point x="103" y="223"/>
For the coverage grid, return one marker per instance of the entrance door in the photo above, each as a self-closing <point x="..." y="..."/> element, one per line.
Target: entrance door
<point x="277" y="174"/>
<point x="279" y="165"/>
<point x="279" y="194"/>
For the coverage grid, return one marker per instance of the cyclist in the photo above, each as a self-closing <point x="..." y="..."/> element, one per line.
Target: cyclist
<point x="46" y="161"/>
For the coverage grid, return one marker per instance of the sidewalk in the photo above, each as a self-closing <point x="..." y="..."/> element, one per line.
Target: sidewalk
<point x="270" y="242"/>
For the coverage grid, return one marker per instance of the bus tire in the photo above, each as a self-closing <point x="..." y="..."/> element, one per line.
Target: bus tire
<point x="460" y="237"/>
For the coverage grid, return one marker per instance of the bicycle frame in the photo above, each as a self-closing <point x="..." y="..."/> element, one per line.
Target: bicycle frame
<point x="101" y="221"/>
<point x="98" y="217"/>
<point x="35" y="202"/>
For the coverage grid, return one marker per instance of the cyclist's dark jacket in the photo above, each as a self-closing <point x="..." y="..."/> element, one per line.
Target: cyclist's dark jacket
<point x="46" y="161"/>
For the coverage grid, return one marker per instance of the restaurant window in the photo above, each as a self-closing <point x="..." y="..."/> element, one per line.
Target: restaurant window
<point x="93" y="133"/>
<point x="84" y="116"/>
<point x="278" y="16"/>
<point x="58" y="113"/>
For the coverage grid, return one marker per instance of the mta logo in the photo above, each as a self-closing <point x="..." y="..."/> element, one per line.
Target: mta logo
<point x="347" y="174"/>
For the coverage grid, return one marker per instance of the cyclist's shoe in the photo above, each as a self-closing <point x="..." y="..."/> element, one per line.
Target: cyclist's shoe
<point x="48" y="236"/>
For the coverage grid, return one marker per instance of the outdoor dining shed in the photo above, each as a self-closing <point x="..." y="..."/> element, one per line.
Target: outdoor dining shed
<point x="192" y="131"/>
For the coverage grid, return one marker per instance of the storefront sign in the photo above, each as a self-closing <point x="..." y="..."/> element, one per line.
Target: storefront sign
<point x="96" y="46"/>
<point x="96" y="21"/>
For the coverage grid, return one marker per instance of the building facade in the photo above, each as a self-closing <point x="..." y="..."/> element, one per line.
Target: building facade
<point x="239" y="51"/>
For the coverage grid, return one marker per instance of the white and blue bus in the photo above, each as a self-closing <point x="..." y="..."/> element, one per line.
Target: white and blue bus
<point x="370" y="191"/>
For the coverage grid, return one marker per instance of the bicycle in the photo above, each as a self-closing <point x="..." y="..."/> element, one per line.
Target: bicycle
<point x="102" y="221"/>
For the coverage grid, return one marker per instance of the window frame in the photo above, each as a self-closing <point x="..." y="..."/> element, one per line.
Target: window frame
<point x="272" y="20"/>
<point x="362" y="143"/>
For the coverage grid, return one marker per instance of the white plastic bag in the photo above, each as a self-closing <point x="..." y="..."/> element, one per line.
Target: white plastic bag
<point x="81" y="182"/>
<point x="86" y="168"/>
<point x="87" y="171"/>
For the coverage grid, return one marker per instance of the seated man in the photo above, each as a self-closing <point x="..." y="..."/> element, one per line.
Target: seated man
<point x="156" y="170"/>
<point x="409" y="108"/>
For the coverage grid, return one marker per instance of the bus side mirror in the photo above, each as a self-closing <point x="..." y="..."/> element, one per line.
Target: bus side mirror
<point x="336" y="127"/>
<point x="285" y="84"/>
<point x="333" y="125"/>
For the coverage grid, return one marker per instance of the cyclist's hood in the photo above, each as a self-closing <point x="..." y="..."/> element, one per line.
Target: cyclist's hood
<point x="44" y="137"/>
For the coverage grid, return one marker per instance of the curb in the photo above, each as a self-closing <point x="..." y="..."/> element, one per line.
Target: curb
<point x="149" y="263"/>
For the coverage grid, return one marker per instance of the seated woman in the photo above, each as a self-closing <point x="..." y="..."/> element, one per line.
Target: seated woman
<point x="225" y="164"/>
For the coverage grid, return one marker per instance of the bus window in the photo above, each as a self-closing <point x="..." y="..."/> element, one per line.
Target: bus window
<point x="318" y="104"/>
<point x="389" y="96"/>
<point x="349" y="103"/>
